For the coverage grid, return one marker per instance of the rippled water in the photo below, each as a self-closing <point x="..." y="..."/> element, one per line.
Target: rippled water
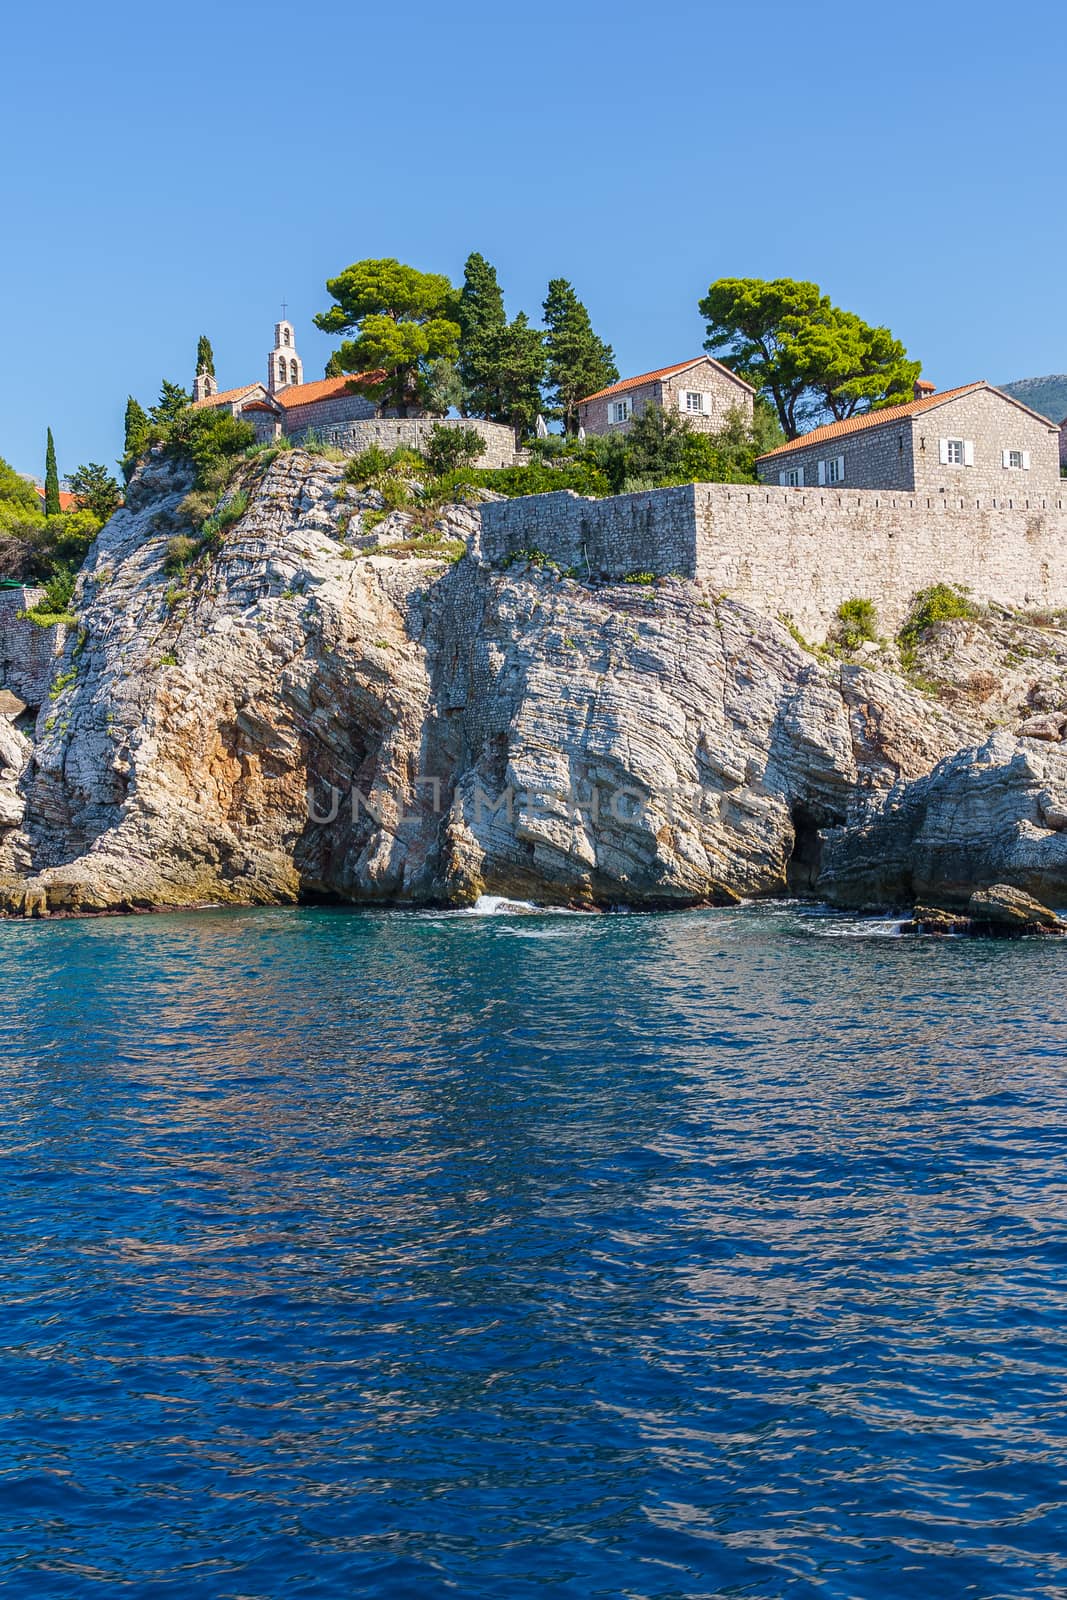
<point x="717" y="1254"/>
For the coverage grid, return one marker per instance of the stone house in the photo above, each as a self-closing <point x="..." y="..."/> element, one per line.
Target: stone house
<point x="286" y="406"/>
<point x="702" y="391"/>
<point x="975" y="442"/>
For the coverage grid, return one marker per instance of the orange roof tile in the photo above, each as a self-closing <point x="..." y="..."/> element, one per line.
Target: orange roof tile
<point x="661" y="372"/>
<point x="303" y="394"/>
<point x="67" y="501"/>
<point x="875" y="419"/>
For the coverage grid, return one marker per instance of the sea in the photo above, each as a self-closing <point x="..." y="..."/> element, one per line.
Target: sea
<point x="518" y="1254"/>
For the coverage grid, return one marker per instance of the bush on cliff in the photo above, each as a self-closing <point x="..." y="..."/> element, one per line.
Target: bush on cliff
<point x="857" y="624"/>
<point x="940" y="603"/>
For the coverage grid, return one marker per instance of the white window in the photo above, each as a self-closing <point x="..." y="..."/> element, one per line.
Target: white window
<point x="957" y="452"/>
<point x="792" y="478"/>
<point x="1017" y="460"/>
<point x="694" y="401"/>
<point x="832" y="471"/>
<point x="619" y="411"/>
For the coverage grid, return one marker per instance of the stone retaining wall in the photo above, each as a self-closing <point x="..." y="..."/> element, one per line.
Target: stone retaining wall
<point x="27" y="653"/>
<point x="413" y="432"/>
<point x="800" y="553"/>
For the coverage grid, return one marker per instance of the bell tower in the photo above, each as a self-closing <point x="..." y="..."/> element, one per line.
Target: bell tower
<point x="284" y="366"/>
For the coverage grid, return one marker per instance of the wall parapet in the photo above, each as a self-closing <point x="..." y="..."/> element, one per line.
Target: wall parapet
<point x="801" y="552"/>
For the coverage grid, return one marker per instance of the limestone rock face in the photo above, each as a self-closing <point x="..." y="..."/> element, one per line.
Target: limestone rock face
<point x="297" y="716"/>
<point x="981" y="817"/>
<point x="318" y="709"/>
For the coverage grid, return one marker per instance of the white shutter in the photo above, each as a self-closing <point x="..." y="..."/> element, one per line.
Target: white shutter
<point x="1007" y="458"/>
<point x="822" y="473"/>
<point x="681" y="400"/>
<point x="800" y="477"/>
<point x="944" y="451"/>
<point x="840" y="469"/>
<point x="705" y="405"/>
<point x="781" y="480"/>
<point x="968" y="452"/>
<point x="1026" y="461"/>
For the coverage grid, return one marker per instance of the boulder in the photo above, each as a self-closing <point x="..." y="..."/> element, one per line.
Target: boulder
<point x="1008" y="908"/>
<point x="1050" y="726"/>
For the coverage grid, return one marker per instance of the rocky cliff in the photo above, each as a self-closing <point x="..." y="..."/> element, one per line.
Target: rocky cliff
<point x="308" y="710"/>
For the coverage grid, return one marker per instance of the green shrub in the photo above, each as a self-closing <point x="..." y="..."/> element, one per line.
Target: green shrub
<point x="226" y="515"/>
<point x="181" y="550"/>
<point x="857" y="623"/>
<point x="644" y="579"/>
<point x="367" y="466"/>
<point x="940" y="603"/>
<point x="452" y="447"/>
<point x="394" y="491"/>
<point x="198" y="506"/>
<point x="62" y="683"/>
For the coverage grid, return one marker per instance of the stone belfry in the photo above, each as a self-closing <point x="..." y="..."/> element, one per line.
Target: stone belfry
<point x="284" y="366"/>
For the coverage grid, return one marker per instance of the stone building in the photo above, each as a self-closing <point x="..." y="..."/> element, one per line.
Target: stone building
<point x="702" y="390"/>
<point x="1063" y="443"/>
<point x="974" y="442"/>
<point x="331" y="409"/>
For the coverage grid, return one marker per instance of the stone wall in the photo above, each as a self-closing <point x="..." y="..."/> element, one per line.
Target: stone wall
<point x="1063" y="443"/>
<point x="391" y="432"/>
<point x="800" y="553"/>
<point x="27" y="653"/>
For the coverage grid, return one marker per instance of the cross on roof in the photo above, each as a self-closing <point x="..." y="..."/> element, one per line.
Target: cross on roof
<point x="285" y="308"/>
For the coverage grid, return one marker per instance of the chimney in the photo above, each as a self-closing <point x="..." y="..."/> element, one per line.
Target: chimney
<point x="923" y="390"/>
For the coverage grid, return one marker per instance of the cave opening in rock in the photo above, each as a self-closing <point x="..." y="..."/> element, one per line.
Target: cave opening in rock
<point x="806" y="859"/>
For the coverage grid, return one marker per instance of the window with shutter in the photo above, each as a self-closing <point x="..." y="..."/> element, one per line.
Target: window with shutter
<point x="943" y="451"/>
<point x="822" y="473"/>
<point x="968" y="452"/>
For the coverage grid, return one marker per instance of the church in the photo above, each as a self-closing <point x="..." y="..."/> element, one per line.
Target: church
<point x="331" y="411"/>
<point x="285" y="404"/>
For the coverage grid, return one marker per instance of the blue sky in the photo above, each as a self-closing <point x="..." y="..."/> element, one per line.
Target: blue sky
<point x="182" y="169"/>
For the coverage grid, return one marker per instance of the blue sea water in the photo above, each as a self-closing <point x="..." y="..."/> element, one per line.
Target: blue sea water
<point x="719" y="1254"/>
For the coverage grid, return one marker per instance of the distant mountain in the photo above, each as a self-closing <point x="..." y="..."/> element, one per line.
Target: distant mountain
<point x="1047" y="395"/>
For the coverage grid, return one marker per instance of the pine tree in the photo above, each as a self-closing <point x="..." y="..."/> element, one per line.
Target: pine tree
<point x="205" y="356"/>
<point x="52" y="506"/>
<point x="579" y="363"/>
<point x="519" y="363"/>
<point x="173" y="400"/>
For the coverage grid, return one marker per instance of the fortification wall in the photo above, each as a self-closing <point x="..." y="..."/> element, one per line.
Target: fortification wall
<point x="413" y="432"/>
<point x="27" y="653"/>
<point x="801" y="553"/>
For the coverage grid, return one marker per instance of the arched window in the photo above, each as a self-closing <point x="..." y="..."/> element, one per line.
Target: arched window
<point x="294" y="373"/>
<point x="285" y="335"/>
<point x="281" y="370"/>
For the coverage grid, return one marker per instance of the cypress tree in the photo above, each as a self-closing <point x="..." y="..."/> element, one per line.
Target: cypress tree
<point x="579" y="363"/>
<point x="205" y="356"/>
<point x="51" y="480"/>
<point x="136" y="436"/>
<point x="481" y="318"/>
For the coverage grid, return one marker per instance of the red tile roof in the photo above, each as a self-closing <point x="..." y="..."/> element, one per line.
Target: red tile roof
<point x="661" y="372"/>
<point x="875" y="419"/>
<point x="303" y="394"/>
<point x="67" y="501"/>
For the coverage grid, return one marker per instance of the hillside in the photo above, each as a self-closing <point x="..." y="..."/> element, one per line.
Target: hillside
<point x="1047" y="395"/>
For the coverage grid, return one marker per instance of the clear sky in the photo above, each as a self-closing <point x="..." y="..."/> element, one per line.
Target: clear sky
<point x="172" y="170"/>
